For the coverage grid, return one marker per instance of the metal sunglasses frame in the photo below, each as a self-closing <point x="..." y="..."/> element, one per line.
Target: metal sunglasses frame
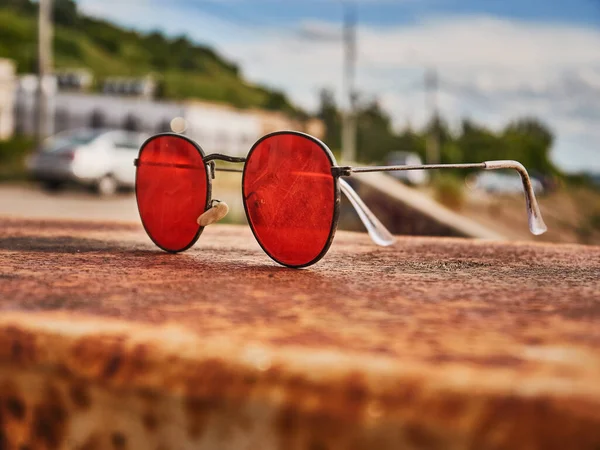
<point x="377" y="231"/>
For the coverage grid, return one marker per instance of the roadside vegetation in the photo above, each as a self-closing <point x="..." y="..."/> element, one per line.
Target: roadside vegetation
<point x="449" y="190"/>
<point x="182" y="68"/>
<point x="526" y="139"/>
<point x="570" y="203"/>
<point x="12" y="158"/>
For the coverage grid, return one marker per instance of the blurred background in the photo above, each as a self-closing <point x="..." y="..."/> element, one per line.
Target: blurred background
<point x="83" y="83"/>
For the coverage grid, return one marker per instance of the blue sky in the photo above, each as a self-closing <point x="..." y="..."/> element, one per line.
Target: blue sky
<point x="496" y="60"/>
<point x="398" y="12"/>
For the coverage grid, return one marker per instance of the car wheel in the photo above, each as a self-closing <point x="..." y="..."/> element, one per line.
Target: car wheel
<point x="52" y="186"/>
<point x="106" y="186"/>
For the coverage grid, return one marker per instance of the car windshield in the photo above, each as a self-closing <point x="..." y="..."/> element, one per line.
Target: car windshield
<point x="70" y="139"/>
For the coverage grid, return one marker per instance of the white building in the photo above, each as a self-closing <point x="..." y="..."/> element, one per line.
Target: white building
<point x="25" y="108"/>
<point x="223" y="129"/>
<point x="7" y="97"/>
<point x="216" y="127"/>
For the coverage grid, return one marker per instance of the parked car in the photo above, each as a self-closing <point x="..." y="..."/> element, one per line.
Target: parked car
<point x="501" y="183"/>
<point x="102" y="159"/>
<point x="414" y="177"/>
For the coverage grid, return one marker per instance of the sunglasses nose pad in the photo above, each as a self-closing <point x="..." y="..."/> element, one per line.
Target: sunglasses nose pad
<point x="216" y="212"/>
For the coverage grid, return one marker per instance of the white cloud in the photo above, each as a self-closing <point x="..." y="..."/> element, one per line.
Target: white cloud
<point x="491" y="69"/>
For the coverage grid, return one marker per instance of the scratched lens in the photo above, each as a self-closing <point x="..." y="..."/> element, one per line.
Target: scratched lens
<point x="172" y="191"/>
<point x="289" y="196"/>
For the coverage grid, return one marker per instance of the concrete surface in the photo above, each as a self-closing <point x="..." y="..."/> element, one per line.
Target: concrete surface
<point x="405" y="210"/>
<point x="445" y="343"/>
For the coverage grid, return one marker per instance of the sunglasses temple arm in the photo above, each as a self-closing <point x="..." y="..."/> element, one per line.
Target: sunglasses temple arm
<point x="534" y="215"/>
<point x="377" y="231"/>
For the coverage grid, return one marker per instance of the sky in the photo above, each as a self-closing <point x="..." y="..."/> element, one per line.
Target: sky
<point x="496" y="60"/>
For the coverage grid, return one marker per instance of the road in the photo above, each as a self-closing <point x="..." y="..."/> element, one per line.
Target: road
<point x="564" y="212"/>
<point x="32" y="202"/>
<point x="29" y="201"/>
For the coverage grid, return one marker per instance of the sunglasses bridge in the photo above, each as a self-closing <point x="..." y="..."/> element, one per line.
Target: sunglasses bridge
<point x="210" y="160"/>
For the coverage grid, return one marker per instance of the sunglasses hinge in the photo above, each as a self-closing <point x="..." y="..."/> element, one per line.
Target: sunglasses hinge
<point x="341" y="171"/>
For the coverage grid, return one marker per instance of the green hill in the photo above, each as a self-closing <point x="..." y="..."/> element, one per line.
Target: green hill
<point x="182" y="68"/>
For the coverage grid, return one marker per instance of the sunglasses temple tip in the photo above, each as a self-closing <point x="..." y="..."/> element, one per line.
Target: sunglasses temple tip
<point x="537" y="226"/>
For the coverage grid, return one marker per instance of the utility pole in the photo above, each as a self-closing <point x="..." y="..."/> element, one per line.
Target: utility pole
<point x="432" y="150"/>
<point x="349" y="113"/>
<point x="44" y="66"/>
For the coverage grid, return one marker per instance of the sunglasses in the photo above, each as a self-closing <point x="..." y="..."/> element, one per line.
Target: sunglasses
<point x="291" y="186"/>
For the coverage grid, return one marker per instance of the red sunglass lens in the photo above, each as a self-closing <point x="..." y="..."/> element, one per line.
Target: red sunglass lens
<point x="172" y="191"/>
<point x="289" y="195"/>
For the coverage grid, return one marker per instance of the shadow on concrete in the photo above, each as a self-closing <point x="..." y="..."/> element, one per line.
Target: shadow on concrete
<point x="58" y="244"/>
<point x="139" y="256"/>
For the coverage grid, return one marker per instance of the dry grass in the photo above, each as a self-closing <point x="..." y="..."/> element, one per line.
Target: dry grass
<point x="571" y="213"/>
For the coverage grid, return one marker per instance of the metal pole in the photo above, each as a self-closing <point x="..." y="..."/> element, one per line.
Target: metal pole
<point x="44" y="66"/>
<point x="432" y="143"/>
<point x="349" y="114"/>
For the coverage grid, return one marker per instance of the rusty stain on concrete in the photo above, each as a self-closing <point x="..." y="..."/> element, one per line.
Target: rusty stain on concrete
<point x="430" y="343"/>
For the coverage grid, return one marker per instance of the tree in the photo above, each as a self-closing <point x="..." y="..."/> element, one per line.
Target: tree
<point x="375" y="138"/>
<point x="65" y="12"/>
<point x="439" y="126"/>
<point x="410" y="141"/>
<point x="26" y="6"/>
<point x="529" y="141"/>
<point x="477" y="143"/>
<point x="276" y="101"/>
<point x="532" y="127"/>
<point x="332" y="119"/>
